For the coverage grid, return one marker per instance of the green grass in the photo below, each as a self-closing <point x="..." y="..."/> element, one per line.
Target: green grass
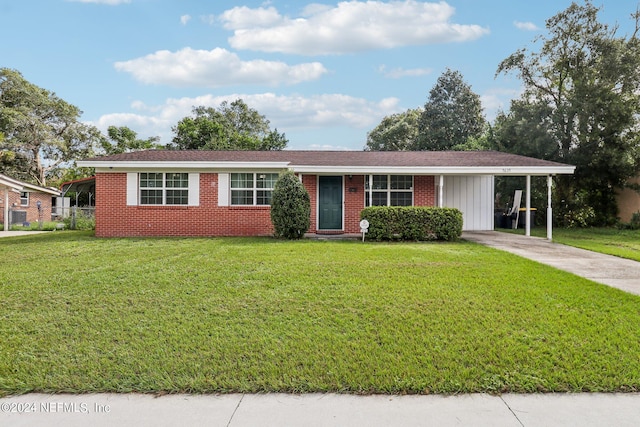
<point x="611" y="241"/>
<point x="80" y="314"/>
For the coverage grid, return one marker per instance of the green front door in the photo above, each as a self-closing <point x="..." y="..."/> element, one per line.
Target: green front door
<point x="330" y="203"/>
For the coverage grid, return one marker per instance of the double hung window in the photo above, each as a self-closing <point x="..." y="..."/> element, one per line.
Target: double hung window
<point x="252" y="189"/>
<point x="164" y="188"/>
<point x="389" y="190"/>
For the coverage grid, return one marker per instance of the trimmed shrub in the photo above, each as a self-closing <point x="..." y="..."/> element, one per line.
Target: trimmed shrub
<point x="412" y="223"/>
<point x="290" y="207"/>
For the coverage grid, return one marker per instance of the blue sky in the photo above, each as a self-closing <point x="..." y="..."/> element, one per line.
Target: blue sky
<point x="323" y="73"/>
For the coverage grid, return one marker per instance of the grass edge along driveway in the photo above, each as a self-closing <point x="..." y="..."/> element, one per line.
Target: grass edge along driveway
<point x="80" y="314"/>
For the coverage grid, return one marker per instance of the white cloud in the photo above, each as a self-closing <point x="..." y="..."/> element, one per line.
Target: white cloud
<point x="215" y="68"/>
<point x="286" y="113"/>
<point x="398" y="73"/>
<point x="108" y="2"/>
<point x="184" y="19"/>
<point x="526" y="26"/>
<point x="244" y="17"/>
<point x="350" y="26"/>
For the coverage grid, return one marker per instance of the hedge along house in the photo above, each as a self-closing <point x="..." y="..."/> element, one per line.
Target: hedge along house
<point x="227" y="193"/>
<point x="22" y="202"/>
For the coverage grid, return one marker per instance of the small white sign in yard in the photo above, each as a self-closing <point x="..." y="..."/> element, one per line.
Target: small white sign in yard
<point x="364" y="227"/>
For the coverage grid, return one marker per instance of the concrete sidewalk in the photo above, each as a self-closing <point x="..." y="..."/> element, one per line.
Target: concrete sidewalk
<point x="606" y="269"/>
<point x="19" y="233"/>
<point x="236" y="410"/>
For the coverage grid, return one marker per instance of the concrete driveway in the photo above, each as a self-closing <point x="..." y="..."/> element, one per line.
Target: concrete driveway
<point x="606" y="269"/>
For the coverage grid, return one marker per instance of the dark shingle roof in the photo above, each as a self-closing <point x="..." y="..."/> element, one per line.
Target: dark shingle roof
<point x="338" y="158"/>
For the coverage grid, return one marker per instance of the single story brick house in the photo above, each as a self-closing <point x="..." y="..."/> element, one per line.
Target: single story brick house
<point x="227" y="193"/>
<point x="23" y="202"/>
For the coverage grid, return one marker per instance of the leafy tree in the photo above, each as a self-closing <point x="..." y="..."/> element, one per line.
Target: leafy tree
<point x="232" y="126"/>
<point x="397" y="132"/>
<point x="123" y="140"/>
<point x="290" y="207"/>
<point x="452" y="115"/>
<point x="41" y="130"/>
<point x="580" y="106"/>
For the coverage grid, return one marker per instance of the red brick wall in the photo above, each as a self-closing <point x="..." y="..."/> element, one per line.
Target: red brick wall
<point x="424" y="190"/>
<point x="115" y="219"/>
<point x="31" y="209"/>
<point x="310" y="182"/>
<point x="353" y="202"/>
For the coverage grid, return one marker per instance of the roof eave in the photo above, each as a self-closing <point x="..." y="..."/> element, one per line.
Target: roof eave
<point x="439" y="170"/>
<point x="138" y="165"/>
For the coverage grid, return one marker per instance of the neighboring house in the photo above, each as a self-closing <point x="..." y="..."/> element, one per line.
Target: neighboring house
<point x="628" y="201"/>
<point x="23" y="202"/>
<point x="227" y="193"/>
<point x="84" y="190"/>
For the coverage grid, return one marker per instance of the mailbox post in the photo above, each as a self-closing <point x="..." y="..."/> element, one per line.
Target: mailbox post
<point x="39" y="205"/>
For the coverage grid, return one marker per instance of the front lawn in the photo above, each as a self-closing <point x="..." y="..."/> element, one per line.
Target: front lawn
<point x="80" y="314"/>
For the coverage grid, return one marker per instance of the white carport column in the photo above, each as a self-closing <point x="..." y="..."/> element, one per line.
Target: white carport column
<point x="6" y="209"/>
<point x="441" y="192"/>
<point x="549" y="209"/>
<point x="527" y="217"/>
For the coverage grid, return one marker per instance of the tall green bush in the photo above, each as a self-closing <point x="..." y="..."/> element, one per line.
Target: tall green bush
<point x="290" y="207"/>
<point x="412" y="223"/>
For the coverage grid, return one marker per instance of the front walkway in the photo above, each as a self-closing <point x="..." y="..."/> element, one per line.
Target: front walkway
<point x="607" y="269"/>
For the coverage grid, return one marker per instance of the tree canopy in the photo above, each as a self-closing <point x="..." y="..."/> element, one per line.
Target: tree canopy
<point x="452" y="114"/>
<point x="397" y="132"/>
<point x="450" y="120"/>
<point x="123" y="140"/>
<point x="232" y="126"/>
<point x="580" y="104"/>
<point x="41" y="131"/>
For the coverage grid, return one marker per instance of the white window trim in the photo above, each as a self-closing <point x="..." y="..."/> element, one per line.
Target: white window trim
<point x="370" y="191"/>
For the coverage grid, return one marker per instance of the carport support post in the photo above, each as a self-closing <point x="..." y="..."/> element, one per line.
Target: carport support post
<point x="549" y="210"/>
<point x="527" y="217"/>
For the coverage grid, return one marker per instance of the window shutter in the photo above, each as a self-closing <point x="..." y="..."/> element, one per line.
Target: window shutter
<point x="223" y="189"/>
<point x="132" y="189"/>
<point x="194" y="189"/>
